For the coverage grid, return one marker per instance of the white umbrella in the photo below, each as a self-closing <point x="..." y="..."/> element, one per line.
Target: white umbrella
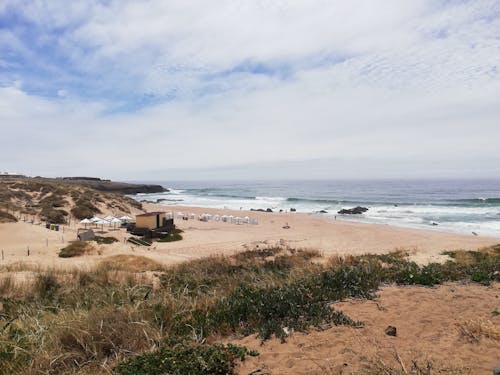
<point x="109" y="218"/>
<point x="125" y="218"/>
<point x="114" y="221"/>
<point x="85" y="221"/>
<point x="101" y="222"/>
<point x="95" y="219"/>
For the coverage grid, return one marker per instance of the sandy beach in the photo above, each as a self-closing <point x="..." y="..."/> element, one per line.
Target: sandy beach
<point x="330" y="237"/>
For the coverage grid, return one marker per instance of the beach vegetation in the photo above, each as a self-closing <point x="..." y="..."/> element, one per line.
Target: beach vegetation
<point x="53" y="201"/>
<point x="82" y="212"/>
<point x="75" y="249"/>
<point x="105" y="240"/>
<point x="50" y="199"/>
<point x="104" y="319"/>
<point x="171" y="237"/>
<point x="130" y="263"/>
<point x="180" y="357"/>
<point x="475" y="329"/>
<point x="53" y="216"/>
<point x="5" y="217"/>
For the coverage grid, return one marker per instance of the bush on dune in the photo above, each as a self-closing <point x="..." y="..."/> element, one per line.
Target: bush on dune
<point x="179" y="358"/>
<point x="5" y="217"/>
<point x="84" y="208"/>
<point x="105" y="240"/>
<point x="74" y="249"/>
<point x="53" y="216"/>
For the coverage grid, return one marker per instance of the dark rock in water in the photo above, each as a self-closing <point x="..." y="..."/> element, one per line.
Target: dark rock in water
<point x="293" y="210"/>
<point x="281" y="210"/>
<point x="258" y="209"/>
<point x="161" y="200"/>
<point x="353" y="211"/>
<point x="323" y="212"/>
<point x="434" y="223"/>
<point x="269" y="210"/>
<point x="391" y="331"/>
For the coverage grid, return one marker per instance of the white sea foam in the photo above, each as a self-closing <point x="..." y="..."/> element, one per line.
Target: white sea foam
<point x="451" y="218"/>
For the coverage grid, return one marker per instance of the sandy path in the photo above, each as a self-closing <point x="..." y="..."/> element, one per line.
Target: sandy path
<point x="427" y="322"/>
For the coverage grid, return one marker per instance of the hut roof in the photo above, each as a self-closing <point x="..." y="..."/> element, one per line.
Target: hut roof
<point x="150" y="214"/>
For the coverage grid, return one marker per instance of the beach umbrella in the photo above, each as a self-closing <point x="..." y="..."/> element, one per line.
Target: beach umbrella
<point x="109" y="218"/>
<point x="85" y="221"/>
<point x="125" y="218"/>
<point x="95" y="219"/>
<point x="101" y="222"/>
<point x="114" y="221"/>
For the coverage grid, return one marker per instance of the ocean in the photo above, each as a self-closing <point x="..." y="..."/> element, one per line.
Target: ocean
<point x="459" y="206"/>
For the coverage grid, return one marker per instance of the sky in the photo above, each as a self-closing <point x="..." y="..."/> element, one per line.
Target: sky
<point x="303" y="89"/>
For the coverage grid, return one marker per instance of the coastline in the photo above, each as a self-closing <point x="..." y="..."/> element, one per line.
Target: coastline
<point x="202" y="239"/>
<point x="307" y="231"/>
<point x="455" y="206"/>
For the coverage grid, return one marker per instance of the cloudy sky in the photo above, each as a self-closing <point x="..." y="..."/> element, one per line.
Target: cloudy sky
<point x="250" y="89"/>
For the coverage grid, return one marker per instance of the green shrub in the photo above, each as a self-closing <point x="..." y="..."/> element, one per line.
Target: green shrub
<point x="186" y="359"/>
<point x="105" y="240"/>
<point x="82" y="212"/>
<point x="5" y="217"/>
<point x="297" y="305"/>
<point x="172" y="237"/>
<point x="53" y="216"/>
<point x="74" y="249"/>
<point x="53" y="201"/>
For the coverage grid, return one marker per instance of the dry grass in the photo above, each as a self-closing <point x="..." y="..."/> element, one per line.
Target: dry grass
<point x="21" y="267"/>
<point x="414" y="367"/>
<point x="130" y="263"/>
<point x="474" y="330"/>
<point x="7" y="284"/>
<point x="98" y="336"/>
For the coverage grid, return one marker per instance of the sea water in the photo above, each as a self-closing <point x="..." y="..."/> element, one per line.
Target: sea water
<point x="461" y="206"/>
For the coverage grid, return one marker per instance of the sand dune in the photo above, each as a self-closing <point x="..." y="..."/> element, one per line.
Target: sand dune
<point x="429" y="325"/>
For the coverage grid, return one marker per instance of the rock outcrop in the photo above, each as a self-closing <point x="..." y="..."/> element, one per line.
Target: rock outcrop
<point x="353" y="211"/>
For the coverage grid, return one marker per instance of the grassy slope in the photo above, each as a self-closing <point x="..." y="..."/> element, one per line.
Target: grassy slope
<point x="101" y="317"/>
<point x="56" y="201"/>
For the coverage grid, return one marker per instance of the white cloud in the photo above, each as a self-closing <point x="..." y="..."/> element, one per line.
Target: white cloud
<point x="412" y="82"/>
